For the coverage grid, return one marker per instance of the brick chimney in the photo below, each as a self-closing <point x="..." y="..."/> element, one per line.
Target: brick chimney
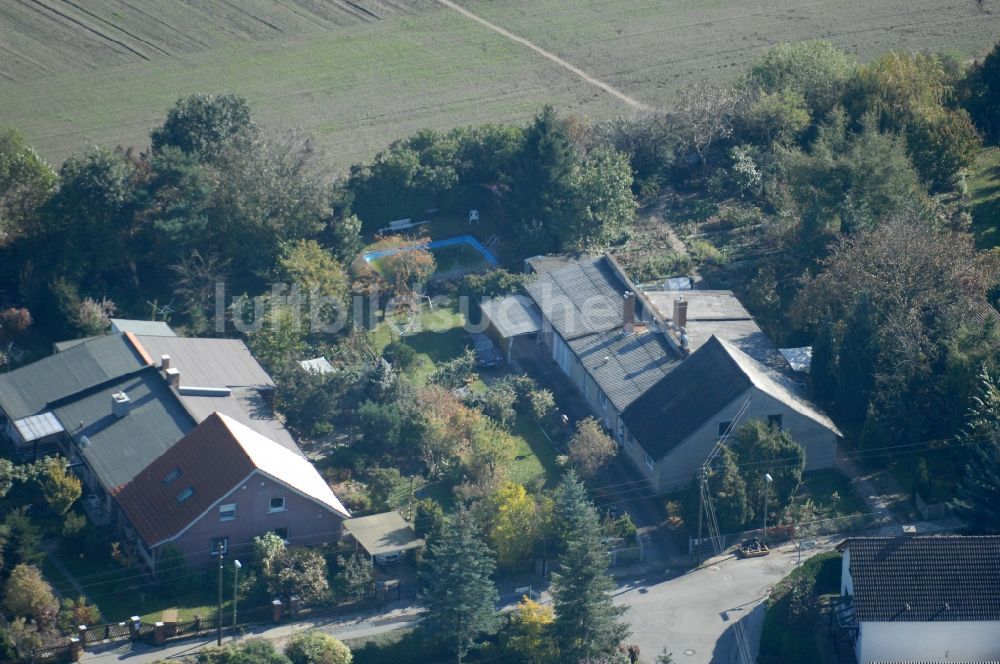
<point x="164" y="362"/>
<point x="173" y="377"/>
<point x="680" y="312"/>
<point x="628" y="312"/>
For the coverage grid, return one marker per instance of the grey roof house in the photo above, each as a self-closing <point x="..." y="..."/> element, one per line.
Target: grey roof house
<point x="113" y="410"/>
<point x="663" y="369"/>
<point x="926" y="599"/>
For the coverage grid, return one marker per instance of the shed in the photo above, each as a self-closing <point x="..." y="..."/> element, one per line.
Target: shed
<point x="510" y="317"/>
<point x="381" y="534"/>
<point x="317" y="365"/>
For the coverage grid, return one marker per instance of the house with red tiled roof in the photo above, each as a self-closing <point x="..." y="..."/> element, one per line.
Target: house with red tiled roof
<point x="222" y="485"/>
<point x="174" y="439"/>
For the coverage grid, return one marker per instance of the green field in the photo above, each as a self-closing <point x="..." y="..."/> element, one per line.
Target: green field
<point x="360" y="74"/>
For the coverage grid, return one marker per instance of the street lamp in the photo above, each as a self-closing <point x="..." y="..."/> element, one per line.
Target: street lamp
<point x="236" y="587"/>
<point x="767" y="482"/>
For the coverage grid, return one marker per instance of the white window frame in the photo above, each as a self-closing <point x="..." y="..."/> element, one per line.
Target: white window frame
<point x="271" y="509"/>
<point x="227" y="512"/>
<point x="184" y="495"/>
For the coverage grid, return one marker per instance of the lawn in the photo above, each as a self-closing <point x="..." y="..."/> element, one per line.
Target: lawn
<point x="984" y="188"/>
<point x="535" y="458"/>
<point x="358" y="75"/>
<point x="122" y="593"/>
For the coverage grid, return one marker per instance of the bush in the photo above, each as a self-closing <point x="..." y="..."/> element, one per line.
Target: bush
<point x="26" y="593"/>
<point x="316" y="647"/>
<point x="789" y="633"/>
<point x="77" y="612"/>
<point x="400" y="356"/>
<point x="399" y="648"/>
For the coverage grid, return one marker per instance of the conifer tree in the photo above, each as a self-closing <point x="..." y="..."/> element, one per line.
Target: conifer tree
<point x="457" y="587"/>
<point x="586" y="625"/>
<point x="979" y="492"/>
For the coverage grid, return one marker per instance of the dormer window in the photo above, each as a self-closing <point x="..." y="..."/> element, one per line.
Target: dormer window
<point x="185" y="494"/>
<point x="172" y="475"/>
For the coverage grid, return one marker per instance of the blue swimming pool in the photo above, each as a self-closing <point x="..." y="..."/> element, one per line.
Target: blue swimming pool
<point x="460" y="239"/>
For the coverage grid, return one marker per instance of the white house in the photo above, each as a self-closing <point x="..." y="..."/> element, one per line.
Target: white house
<point x="923" y="599"/>
<point x="673" y="426"/>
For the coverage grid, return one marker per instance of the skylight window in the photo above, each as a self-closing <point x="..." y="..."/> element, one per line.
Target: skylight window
<point x="185" y="494"/>
<point x="172" y="475"/>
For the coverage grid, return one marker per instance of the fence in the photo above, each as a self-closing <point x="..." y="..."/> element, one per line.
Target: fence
<point x="785" y="532"/>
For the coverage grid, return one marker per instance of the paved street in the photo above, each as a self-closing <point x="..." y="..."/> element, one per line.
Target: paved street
<point x="693" y="614"/>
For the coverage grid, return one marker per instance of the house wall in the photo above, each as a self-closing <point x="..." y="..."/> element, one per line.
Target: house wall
<point x="846" y="580"/>
<point x="928" y="641"/>
<point x="307" y="522"/>
<point x="675" y="471"/>
<point x="603" y="410"/>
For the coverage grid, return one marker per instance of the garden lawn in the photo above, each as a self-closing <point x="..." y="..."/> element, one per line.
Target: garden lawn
<point x="535" y="458"/>
<point x="121" y="593"/>
<point x="984" y="188"/>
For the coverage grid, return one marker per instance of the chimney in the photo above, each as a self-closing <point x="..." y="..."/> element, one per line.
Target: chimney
<point x="680" y="312"/>
<point x="164" y="362"/>
<point x="628" y="312"/>
<point x="909" y="531"/>
<point x="120" y="404"/>
<point x="174" y="377"/>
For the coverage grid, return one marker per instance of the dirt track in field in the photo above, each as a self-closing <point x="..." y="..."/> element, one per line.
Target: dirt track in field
<point x="360" y="73"/>
<point x="614" y="92"/>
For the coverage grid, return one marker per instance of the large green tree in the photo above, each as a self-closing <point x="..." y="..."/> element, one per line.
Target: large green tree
<point x="983" y="82"/>
<point x="457" y="586"/>
<point x="817" y="70"/>
<point x="587" y="624"/>
<point x="26" y="182"/>
<point x="204" y="124"/>
<point x="979" y="491"/>
<point x="542" y="182"/>
<point x="763" y="448"/>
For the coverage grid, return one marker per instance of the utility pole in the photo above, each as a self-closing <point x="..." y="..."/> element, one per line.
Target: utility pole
<point x="409" y="505"/>
<point x="219" y="612"/>
<point x="702" y="476"/>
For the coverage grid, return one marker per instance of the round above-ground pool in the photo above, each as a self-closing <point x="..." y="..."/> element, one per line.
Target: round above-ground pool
<point x="452" y="241"/>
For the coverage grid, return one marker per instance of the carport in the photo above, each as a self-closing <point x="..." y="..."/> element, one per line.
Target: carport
<point x="382" y="534"/>
<point x="509" y="318"/>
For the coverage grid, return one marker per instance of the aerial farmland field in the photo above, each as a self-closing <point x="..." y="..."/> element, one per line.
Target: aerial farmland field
<point x="360" y="74"/>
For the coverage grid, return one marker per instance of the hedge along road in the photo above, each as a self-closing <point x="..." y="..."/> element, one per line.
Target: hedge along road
<point x="614" y="92"/>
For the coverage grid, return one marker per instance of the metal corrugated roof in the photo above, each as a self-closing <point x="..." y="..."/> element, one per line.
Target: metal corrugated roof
<point x="317" y="365"/>
<point x="152" y="328"/>
<point x="513" y="315"/>
<point x="580" y="299"/>
<point x="625" y="366"/>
